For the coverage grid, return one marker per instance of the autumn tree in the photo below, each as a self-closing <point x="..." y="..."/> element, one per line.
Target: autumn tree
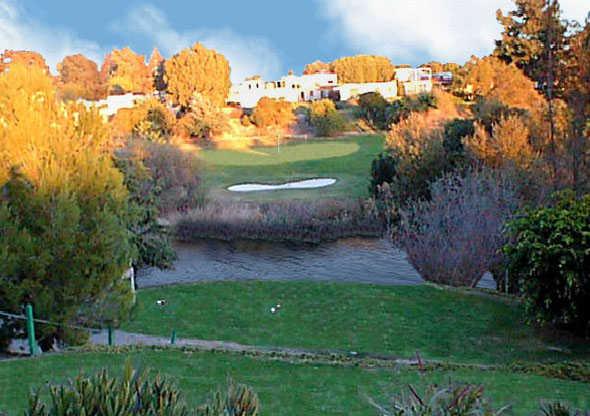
<point x="197" y="70"/>
<point x="363" y="68"/>
<point x="317" y="67"/>
<point x="156" y="68"/>
<point x="125" y="71"/>
<point x="491" y="78"/>
<point x="273" y="113"/>
<point x="64" y="241"/>
<point x="79" y="78"/>
<point x="24" y="57"/>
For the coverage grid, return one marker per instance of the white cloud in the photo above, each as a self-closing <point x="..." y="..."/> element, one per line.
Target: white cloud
<point x="413" y="31"/>
<point x="18" y="31"/>
<point x="247" y="55"/>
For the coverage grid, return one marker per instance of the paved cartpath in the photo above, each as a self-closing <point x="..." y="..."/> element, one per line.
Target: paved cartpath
<point x="122" y="338"/>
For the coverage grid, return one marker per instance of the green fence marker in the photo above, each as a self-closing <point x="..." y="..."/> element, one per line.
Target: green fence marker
<point x="173" y="337"/>
<point x="31" y="330"/>
<point x="111" y="336"/>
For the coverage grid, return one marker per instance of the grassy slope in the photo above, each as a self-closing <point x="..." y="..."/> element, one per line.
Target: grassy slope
<point x="347" y="159"/>
<point x="284" y="388"/>
<point x="399" y="320"/>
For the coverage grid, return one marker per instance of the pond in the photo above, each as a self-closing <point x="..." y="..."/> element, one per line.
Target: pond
<point x="353" y="260"/>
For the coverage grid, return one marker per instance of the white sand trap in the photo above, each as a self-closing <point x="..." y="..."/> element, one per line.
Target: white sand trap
<point x="306" y="184"/>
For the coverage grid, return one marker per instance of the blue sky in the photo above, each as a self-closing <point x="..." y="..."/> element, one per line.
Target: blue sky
<point x="261" y="36"/>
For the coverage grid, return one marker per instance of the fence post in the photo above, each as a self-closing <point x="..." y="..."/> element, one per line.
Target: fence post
<point x="31" y="330"/>
<point x="111" y="336"/>
<point x="173" y="337"/>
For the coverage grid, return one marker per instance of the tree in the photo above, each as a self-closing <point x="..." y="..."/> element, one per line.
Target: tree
<point x="534" y="40"/>
<point x="79" y="78"/>
<point x="363" y="68"/>
<point x="491" y="78"/>
<point x="64" y="241"/>
<point x="577" y="95"/>
<point x="156" y="68"/>
<point x="10" y="57"/>
<point x="273" y="113"/>
<point x="125" y="71"/>
<point x="197" y="70"/>
<point x="317" y="67"/>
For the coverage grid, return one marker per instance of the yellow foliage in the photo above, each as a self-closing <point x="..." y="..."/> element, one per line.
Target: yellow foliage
<point x="55" y="145"/>
<point x="508" y="143"/>
<point x="197" y="70"/>
<point x="126" y="119"/>
<point x="273" y="113"/>
<point x="363" y="68"/>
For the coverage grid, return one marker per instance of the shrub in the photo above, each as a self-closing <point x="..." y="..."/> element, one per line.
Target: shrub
<point x="452" y="400"/>
<point x="203" y="120"/>
<point x="418" y="149"/>
<point x="148" y="119"/>
<point x="549" y="260"/>
<point x="273" y="113"/>
<point x="456" y="131"/>
<point x="456" y="237"/>
<point x="325" y="119"/>
<point x="383" y="170"/>
<point x="508" y="143"/>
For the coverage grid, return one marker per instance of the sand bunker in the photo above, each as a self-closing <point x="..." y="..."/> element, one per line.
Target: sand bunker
<point x="306" y="184"/>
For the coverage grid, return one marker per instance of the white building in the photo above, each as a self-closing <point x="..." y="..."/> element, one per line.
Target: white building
<point x="414" y="80"/>
<point x="387" y="89"/>
<point x="291" y="88"/>
<point x="311" y="87"/>
<point x="109" y="106"/>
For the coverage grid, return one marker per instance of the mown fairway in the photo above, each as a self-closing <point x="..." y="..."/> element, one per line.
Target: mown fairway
<point x="346" y="159"/>
<point x="440" y="324"/>
<point x="285" y="389"/>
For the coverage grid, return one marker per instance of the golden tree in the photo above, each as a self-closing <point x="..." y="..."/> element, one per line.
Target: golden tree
<point x="491" y="78"/>
<point x="125" y="71"/>
<point x="24" y="57"/>
<point x="197" y="70"/>
<point x="273" y="113"/>
<point x="363" y="68"/>
<point x="316" y="67"/>
<point x="79" y="78"/>
<point x="509" y="143"/>
<point x="156" y="68"/>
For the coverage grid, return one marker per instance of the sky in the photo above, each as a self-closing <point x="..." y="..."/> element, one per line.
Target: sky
<point x="263" y="37"/>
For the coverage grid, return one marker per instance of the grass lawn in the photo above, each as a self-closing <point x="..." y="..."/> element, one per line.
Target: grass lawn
<point x="347" y="159"/>
<point x="284" y="388"/>
<point x="398" y="320"/>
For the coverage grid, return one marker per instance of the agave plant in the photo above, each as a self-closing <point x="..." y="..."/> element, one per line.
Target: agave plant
<point x="450" y="400"/>
<point x="561" y="409"/>
<point x="238" y="400"/>
<point x="103" y="395"/>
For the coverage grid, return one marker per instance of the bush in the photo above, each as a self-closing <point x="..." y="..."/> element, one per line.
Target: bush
<point x="549" y="260"/>
<point x="325" y="119"/>
<point x="456" y="237"/>
<point x="456" y="131"/>
<point x="561" y="409"/>
<point x="203" y="120"/>
<point x="273" y="113"/>
<point x="148" y="119"/>
<point x="383" y="170"/>
<point x="417" y="147"/>
<point x="135" y="393"/>
<point x="452" y="400"/>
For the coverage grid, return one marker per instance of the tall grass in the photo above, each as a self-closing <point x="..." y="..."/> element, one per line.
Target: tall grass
<point x="296" y="221"/>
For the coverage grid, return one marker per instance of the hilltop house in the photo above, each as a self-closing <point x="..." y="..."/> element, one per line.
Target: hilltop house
<point x="311" y="87"/>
